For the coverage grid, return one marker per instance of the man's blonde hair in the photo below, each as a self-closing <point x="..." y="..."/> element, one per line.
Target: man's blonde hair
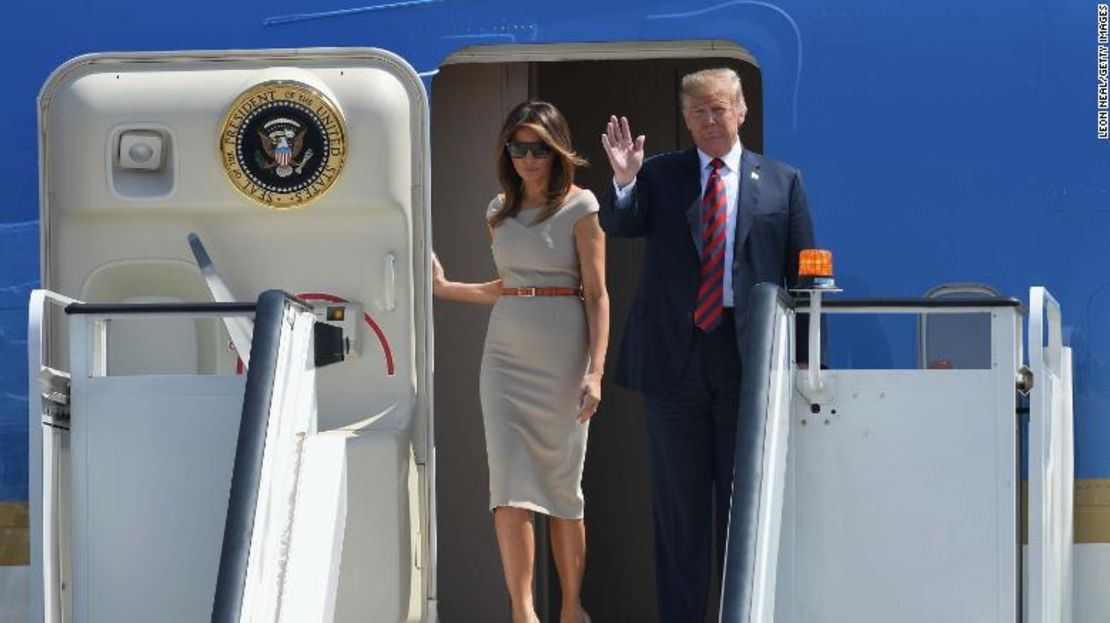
<point x="700" y="83"/>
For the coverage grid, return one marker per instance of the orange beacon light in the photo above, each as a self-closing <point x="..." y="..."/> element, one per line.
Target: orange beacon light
<point x="815" y="278"/>
<point x="815" y="270"/>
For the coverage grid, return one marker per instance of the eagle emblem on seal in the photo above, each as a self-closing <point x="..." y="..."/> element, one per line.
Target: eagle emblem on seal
<point x="282" y="141"/>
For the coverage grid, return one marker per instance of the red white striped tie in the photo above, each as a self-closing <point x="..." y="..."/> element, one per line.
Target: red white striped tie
<point x="714" y="214"/>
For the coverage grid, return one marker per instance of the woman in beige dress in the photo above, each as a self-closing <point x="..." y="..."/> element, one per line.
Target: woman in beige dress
<point x="544" y="352"/>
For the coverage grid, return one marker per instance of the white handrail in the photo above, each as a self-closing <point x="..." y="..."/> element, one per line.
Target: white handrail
<point x="389" y="282"/>
<point x="813" y="384"/>
<point x="1040" y="303"/>
<point x="814" y="373"/>
<point x="46" y="603"/>
<point x="1050" y="464"/>
<point x="906" y="309"/>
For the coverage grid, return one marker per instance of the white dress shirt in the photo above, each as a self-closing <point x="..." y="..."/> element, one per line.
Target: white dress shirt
<point x="730" y="175"/>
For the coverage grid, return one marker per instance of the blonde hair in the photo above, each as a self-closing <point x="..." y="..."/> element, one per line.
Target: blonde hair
<point x="706" y="81"/>
<point x="546" y="120"/>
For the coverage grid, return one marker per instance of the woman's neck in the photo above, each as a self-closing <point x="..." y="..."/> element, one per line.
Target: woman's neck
<point x="533" y="194"/>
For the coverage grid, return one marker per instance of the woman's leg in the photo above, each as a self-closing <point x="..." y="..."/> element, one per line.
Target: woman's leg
<point x="568" y="542"/>
<point x="516" y="540"/>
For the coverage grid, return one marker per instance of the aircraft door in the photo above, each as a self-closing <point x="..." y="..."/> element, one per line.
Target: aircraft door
<point x="300" y="170"/>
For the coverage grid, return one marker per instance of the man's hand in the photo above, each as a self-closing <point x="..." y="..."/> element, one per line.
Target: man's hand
<point x="626" y="156"/>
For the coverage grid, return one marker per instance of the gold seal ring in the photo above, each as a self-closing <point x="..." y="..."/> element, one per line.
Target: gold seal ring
<point x="283" y="144"/>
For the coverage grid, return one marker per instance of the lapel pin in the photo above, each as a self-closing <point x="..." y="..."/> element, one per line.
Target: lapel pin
<point x="755" y="175"/>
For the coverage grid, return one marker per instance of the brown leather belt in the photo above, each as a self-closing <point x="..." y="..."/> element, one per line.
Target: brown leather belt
<point x="541" y="291"/>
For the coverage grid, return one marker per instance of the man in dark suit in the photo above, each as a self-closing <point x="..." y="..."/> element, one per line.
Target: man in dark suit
<point x="718" y="219"/>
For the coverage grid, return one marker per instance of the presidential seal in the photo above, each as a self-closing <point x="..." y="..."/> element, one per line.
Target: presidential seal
<point x="283" y="144"/>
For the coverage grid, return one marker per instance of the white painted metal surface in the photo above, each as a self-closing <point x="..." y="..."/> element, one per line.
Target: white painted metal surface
<point x="902" y="487"/>
<point x="151" y="466"/>
<point x="140" y="346"/>
<point x="292" y="418"/>
<point x="775" y="448"/>
<point x="1067" y="494"/>
<point x="319" y="522"/>
<point x="1092" y="576"/>
<point x="13" y="594"/>
<point x="892" y="502"/>
<point x="366" y="241"/>
<point x="380" y="579"/>
<point x="339" y="244"/>
<point x="46" y="448"/>
<point x="1051" y="464"/>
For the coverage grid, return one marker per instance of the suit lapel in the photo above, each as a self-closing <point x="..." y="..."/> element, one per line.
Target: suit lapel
<point x="691" y="194"/>
<point x="748" y="187"/>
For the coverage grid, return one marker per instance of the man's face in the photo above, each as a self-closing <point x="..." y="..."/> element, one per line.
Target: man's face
<point x="714" y="120"/>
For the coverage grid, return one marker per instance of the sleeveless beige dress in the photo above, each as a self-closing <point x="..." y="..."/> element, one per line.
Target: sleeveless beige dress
<point x="532" y="366"/>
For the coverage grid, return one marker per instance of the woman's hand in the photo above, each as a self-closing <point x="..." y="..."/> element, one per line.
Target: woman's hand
<point x="589" y="396"/>
<point x="439" y="278"/>
<point x="485" y="293"/>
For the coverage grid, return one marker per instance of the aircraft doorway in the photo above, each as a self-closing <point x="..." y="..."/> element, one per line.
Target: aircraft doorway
<point x="470" y="96"/>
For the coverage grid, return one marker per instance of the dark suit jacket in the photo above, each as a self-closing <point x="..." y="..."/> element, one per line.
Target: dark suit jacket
<point x="772" y="225"/>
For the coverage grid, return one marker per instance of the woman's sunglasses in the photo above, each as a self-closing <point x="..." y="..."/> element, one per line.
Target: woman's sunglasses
<point x="519" y="150"/>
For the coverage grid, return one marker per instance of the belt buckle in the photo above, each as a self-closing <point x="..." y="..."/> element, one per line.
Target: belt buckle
<point x="529" y="292"/>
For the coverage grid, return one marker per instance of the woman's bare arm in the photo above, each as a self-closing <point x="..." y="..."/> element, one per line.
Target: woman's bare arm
<point x="485" y="293"/>
<point x="590" y="242"/>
